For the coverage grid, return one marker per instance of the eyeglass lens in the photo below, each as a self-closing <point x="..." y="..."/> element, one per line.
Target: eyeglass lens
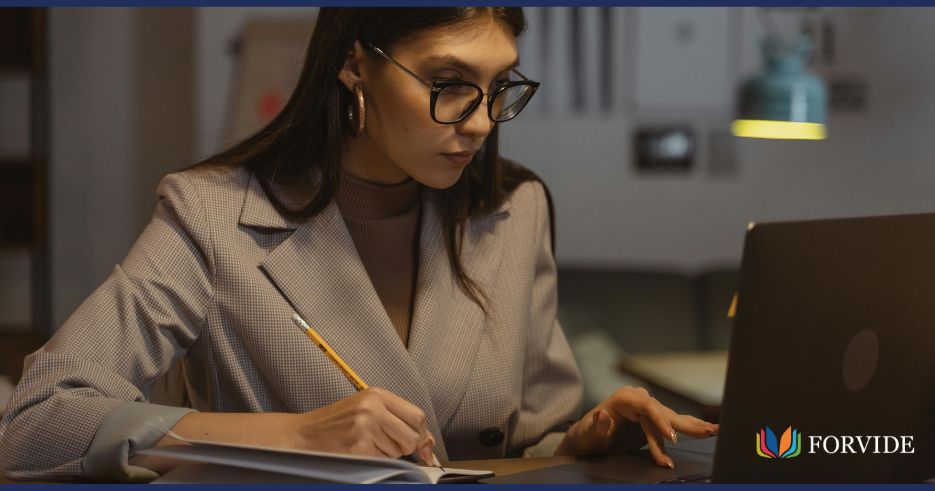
<point x="456" y="102"/>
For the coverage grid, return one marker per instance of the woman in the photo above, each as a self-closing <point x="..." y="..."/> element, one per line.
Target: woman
<point x="376" y="207"/>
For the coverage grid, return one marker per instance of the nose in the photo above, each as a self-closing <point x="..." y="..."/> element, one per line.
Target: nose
<point x="478" y="124"/>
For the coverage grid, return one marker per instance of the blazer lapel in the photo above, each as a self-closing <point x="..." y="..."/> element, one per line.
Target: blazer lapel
<point x="318" y="270"/>
<point x="446" y="323"/>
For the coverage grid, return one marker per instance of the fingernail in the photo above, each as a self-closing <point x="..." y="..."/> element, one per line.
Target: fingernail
<point x="673" y="436"/>
<point x="671" y="464"/>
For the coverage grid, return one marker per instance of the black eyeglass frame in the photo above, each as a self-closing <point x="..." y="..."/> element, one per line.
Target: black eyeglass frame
<point x="436" y="87"/>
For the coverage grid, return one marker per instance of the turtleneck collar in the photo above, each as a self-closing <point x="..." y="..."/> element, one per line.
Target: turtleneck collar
<point x="358" y="198"/>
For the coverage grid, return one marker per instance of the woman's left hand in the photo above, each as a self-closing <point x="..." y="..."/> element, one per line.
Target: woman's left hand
<point x="627" y="420"/>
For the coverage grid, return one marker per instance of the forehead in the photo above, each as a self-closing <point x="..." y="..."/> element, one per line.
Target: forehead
<point x="488" y="46"/>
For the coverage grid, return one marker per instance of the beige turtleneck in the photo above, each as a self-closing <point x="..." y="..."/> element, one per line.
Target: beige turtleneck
<point x="384" y="223"/>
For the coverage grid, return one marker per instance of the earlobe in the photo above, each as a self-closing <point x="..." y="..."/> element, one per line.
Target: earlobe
<point x="350" y="72"/>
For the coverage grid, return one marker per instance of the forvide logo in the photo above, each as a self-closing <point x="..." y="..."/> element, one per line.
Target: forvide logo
<point x="790" y="444"/>
<point x="786" y="447"/>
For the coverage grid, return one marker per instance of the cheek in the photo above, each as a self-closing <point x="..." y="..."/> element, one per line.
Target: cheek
<point x="413" y="113"/>
<point x="396" y="110"/>
<point x="406" y="127"/>
<point x="416" y="148"/>
<point x="405" y="132"/>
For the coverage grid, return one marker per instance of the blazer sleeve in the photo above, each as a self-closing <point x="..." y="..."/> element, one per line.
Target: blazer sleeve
<point x="552" y="385"/>
<point x="84" y="393"/>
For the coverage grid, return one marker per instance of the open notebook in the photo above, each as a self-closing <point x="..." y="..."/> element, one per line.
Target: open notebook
<point x="230" y="463"/>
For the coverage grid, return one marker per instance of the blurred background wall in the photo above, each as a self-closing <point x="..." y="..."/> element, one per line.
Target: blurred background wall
<point x="121" y="100"/>
<point x="876" y="160"/>
<point x="137" y="93"/>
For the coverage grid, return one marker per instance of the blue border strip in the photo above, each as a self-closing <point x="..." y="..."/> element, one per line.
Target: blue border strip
<point x="488" y="487"/>
<point x="449" y="3"/>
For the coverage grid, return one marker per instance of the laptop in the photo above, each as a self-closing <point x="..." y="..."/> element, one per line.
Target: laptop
<point x="831" y="370"/>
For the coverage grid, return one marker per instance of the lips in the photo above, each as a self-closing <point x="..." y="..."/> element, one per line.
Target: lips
<point x="460" y="158"/>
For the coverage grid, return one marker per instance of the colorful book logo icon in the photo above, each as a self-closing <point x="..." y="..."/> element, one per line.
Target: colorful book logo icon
<point x="788" y="446"/>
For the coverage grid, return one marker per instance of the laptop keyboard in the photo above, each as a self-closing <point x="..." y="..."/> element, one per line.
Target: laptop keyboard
<point x="689" y="479"/>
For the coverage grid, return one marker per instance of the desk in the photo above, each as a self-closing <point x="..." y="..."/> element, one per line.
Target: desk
<point x="505" y="467"/>
<point x="695" y="377"/>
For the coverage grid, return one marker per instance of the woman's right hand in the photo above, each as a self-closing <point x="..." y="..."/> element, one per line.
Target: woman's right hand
<point x="373" y="422"/>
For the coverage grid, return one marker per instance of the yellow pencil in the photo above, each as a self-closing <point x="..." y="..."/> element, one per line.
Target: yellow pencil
<point x="323" y="346"/>
<point x="344" y="367"/>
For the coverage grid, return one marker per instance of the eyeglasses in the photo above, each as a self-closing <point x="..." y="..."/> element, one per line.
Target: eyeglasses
<point x="453" y="102"/>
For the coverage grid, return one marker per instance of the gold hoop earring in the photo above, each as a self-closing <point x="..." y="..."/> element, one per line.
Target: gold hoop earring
<point x="357" y="113"/>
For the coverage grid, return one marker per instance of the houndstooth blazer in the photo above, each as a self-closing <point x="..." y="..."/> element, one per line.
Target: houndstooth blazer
<point x="215" y="278"/>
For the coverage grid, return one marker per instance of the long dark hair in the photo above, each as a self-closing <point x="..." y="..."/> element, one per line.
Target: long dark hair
<point x="309" y="134"/>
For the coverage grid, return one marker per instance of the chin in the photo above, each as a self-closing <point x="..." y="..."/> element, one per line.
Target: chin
<point x="442" y="179"/>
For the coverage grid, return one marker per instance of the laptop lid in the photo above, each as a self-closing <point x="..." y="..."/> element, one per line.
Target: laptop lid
<point x="831" y="372"/>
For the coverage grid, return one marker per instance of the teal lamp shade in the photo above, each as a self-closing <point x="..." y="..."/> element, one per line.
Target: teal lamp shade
<point x="784" y="101"/>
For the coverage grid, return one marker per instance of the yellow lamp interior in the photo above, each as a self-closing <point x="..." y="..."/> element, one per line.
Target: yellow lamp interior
<point x="782" y="130"/>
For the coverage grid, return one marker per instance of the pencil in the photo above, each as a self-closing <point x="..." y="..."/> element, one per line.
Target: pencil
<point x="339" y="362"/>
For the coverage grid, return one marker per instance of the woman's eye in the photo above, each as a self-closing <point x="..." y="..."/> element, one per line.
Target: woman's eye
<point x="447" y="76"/>
<point x="458" y="90"/>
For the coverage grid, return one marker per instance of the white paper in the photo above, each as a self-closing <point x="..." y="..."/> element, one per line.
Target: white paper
<point x="288" y="463"/>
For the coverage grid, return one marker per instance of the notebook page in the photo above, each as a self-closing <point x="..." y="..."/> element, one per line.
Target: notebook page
<point x="318" y="466"/>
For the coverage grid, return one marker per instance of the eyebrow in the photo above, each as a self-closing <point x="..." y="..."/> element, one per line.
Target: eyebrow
<point x="460" y="64"/>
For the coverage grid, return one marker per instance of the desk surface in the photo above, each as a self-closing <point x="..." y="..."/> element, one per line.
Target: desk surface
<point x="695" y="376"/>
<point x="505" y="467"/>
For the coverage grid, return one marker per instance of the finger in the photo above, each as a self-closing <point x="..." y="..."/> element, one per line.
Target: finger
<point x="404" y="436"/>
<point x="606" y="425"/>
<point x="713" y="426"/>
<point x="660" y="422"/>
<point x="626" y="401"/>
<point x="656" y="445"/>
<point x="693" y="427"/>
<point x="407" y="412"/>
<point x="408" y="426"/>
<point x="365" y="446"/>
<point x="636" y="404"/>
<point x="702" y="428"/>
<point x="598" y="434"/>
<point x="427" y="451"/>
<point x="386" y="447"/>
